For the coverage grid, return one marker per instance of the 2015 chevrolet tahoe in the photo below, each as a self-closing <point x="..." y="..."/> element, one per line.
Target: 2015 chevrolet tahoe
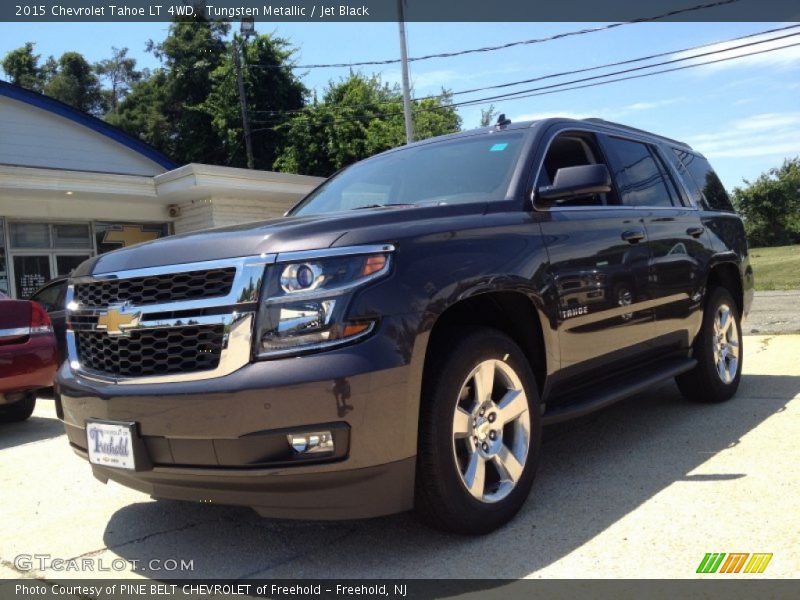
<point x="401" y="336"/>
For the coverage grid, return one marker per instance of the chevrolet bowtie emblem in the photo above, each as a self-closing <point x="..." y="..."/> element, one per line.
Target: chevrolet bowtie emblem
<point x="114" y="322"/>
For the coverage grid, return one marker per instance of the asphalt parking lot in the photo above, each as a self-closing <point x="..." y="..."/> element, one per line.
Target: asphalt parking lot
<point x="643" y="489"/>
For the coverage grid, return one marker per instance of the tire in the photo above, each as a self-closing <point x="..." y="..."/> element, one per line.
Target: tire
<point x="19" y="410"/>
<point x="715" y="378"/>
<point x="507" y="445"/>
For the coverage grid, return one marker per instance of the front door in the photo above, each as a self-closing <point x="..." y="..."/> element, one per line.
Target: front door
<point x="598" y="268"/>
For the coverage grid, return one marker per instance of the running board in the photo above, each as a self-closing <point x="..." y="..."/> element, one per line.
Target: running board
<point x="609" y="394"/>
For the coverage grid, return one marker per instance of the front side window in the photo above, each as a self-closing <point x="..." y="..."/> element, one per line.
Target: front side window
<point x="573" y="149"/>
<point x="704" y="177"/>
<point x="473" y="169"/>
<point x="640" y="178"/>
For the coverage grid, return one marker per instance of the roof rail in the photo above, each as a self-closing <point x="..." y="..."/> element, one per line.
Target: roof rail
<point x="635" y="130"/>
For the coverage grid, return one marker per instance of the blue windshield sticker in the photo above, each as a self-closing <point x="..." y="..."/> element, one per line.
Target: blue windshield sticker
<point x="498" y="147"/>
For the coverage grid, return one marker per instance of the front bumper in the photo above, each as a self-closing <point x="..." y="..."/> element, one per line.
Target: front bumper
<point x="218" y="440"/>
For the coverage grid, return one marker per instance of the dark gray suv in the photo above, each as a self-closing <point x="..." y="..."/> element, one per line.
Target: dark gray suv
<point x="399" y="339"/>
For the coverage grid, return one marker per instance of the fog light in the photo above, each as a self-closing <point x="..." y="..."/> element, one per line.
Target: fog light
<point x="311" y="442"/>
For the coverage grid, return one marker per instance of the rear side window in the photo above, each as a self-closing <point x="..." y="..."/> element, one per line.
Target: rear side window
<point x="713" y="192"/>
<point x="640" y="177"/>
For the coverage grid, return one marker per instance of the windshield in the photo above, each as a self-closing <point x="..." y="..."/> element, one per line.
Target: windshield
<point x="473" y="169"/>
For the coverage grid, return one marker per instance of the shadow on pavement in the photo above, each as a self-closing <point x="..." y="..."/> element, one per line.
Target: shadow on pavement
<point x="35" y="429"/>
<point x="594" y="471"/>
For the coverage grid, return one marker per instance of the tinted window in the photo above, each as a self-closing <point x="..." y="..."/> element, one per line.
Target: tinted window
<point x="474" y="169"/>
<point x="49" y="297"/>
<point x="572" y="149"/>
<point x="716" y="198"/>
<point x="640" y="178"/>
<point x="686" y="178"/>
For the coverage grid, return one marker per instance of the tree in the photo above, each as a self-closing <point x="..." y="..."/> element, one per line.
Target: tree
<point x="165" y="110"/>
<point x="73" y="82"/>
<point x="21" y="66"/>
<point x="359" y="116"/>
<point x="487" y="115"/>
<point x="770" y="206"/>
<point x="120" y="73"/>
<point x="269" y="89"/>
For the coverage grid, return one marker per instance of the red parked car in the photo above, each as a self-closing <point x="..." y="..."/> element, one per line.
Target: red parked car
<point x="28" y="356"/>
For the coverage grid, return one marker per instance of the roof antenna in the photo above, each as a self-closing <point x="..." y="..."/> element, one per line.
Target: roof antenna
<point x="502" y="121"/>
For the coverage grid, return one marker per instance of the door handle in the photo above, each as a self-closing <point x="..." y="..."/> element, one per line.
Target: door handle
<point x="634" y="236"/>
<point x="695" y="232"/>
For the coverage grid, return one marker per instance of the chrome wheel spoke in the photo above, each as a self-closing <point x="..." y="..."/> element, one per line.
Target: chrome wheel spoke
<point x="724" y="319"/>
<point x="475" y="476"/>
<point x="461" y="423"/>
<point x="507" y="464"/>
<point x="722" y="370"/>
<point x="484" y="381"/>
<point x="511" y="406"/>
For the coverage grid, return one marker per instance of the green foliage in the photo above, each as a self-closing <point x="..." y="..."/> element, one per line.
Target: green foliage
<point x="267" y="89"/>
<point x="72" y="80"/>
<point x="190" y="108"/>
<point x="21" y="66"/>
<point x="487" y="115"/>
<point x="120" y="73"/>
<point x="359" y="116"/>
<point x="770" y="206"/>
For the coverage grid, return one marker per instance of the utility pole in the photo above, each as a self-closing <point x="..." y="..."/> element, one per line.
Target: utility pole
<point x="248" y="144"/>
<point x="404" y="59"/>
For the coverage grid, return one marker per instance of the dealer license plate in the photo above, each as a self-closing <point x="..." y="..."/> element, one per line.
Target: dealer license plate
<point x="111" y="444"/>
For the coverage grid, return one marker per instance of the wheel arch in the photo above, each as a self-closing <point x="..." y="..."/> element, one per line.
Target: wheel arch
<point x="513" y="312"/>
<point x="728" y="275"/>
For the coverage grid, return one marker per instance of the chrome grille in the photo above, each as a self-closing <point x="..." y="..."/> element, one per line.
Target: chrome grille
<point x="164" y="324"/>
<point x="152" y="351"/>
<point x="154" y="289"/>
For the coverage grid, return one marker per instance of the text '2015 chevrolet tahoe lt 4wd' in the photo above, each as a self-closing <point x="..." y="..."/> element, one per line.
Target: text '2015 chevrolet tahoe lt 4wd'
<point x="399" y="339"/>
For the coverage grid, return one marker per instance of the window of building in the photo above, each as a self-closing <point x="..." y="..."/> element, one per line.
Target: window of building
<point x="49" y="235"/>
<point x="640" y="177"/>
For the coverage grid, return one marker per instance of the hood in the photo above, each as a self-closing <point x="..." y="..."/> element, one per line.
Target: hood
<point x="283" y="234"/>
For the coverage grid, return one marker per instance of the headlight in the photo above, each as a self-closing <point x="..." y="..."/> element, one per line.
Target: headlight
<point x="304" y="302"/>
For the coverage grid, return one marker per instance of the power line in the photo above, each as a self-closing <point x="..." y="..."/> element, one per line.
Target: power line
<point x="641" y="75"/>
<point x="544" y="91"/>
<point x="510" y="95"/>
<point x="630" y="70"/>
<point x="541" y="40"/>
<point x="571" y="72"/>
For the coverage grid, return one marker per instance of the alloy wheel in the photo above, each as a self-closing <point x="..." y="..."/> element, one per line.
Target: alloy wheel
<point x="491" y="431"/>
<point x="726" y="344"/>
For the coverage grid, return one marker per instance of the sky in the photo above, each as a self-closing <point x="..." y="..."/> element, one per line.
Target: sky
<point x="744" y="114"/>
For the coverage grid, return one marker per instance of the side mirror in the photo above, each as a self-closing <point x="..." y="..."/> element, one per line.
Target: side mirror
<point x="571" y="182"/>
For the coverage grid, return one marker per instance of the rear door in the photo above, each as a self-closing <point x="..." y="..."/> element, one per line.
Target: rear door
<point x="598" y="267"/>
<point x="678" y="254"/>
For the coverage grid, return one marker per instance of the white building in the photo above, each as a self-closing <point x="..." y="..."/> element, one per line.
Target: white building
<point x="72" y="186"/>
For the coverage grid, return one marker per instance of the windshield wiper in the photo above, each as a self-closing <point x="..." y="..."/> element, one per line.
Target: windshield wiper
<point x="382" y="205"/>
